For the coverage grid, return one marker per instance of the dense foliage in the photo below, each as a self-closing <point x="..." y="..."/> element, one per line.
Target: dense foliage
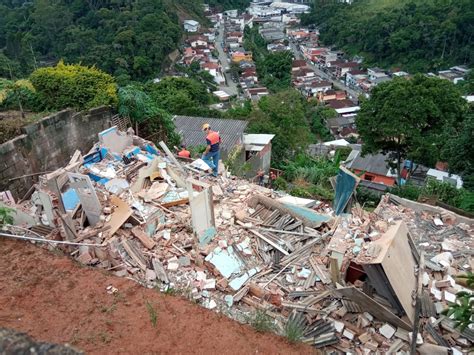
<point x="282" y="114"/>
<point x="74" y="86"/>
<point x="308" y="177"/>
<point x="417" y="35"/>
<point x="151" y="121"/>
<point x="462" y="310"/>
<point x="179" y="95"/>
<point x="273" y="69"/>
<point x="416" y="119"/>
<point x="126" y="38"/>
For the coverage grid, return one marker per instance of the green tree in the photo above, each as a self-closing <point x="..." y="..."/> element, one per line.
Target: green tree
<point x="283" y="114"/>
<point x="416" y="35"/>
<point x="179" y="96"/>
<point x="411" y="119"/>
<point x="458" y="151"/>
<point x="152" y="122"/>
<point x="134" y="36"/>
<point x="74" y="86"/>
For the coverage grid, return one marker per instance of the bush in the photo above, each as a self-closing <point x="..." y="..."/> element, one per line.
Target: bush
<point x="144" y="111"/>
<point x="22" y="91"/>
<point x="408" y="191"/>
<point x="449" y="194"/>
<point x="74" y="86"/>
<point x="367" y="198"/>
<point x="441" y="191"/>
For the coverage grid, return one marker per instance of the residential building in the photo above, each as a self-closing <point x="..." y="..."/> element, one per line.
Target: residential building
<point x="237" y="57"/>
<point x="444" y="176"/>
<point x="258" y="153"/>
<point x="341" y="68"/>
<point x="191" y="25"/>
<point x="373" y="168"/>
<point x="355" y="77"/>
<point x="298" y="64"/>
<point x="256" y="94"/>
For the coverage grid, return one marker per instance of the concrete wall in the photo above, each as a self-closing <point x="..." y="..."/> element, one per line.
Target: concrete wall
<point x="49" y="144"/>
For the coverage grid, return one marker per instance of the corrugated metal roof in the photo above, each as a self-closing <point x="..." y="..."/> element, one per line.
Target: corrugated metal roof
<point x="190" y="128"/>
<point x="375" y="164"/>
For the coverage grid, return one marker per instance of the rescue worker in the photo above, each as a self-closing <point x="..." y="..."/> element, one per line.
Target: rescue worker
<point x="211" y="155"/>
<point x="184" y="153"/>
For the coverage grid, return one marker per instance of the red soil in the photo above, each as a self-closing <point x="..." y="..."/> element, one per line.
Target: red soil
<point x="54" y="299"/>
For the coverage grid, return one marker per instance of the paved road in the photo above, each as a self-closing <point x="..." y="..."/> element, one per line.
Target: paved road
<point x="354" y="93"/>
<point x="231" y="87"/>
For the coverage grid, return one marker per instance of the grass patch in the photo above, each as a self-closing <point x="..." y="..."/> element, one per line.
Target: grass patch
<point x="152" y="313"/>
<point x="262" y="322"/>
<point x="294" y="330"/>
<point x="171" y="291"/>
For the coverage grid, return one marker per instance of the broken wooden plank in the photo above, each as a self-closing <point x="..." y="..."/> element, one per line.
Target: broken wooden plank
<point x="320" y="272"/>
<point x="180" y="202"/>
<point x="334" y="267"/>
<point x="371" y="306"/>
<point x="120" y="214"/>
<point x="171" y="156"/>
<point x="276" y="246"/>
<point x="90" y="234"/>
<point x="134" y="254"/>
<point x="143" y="237"/>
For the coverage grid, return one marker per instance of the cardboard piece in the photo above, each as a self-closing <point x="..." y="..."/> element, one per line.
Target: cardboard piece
<point x="120" y="215"/>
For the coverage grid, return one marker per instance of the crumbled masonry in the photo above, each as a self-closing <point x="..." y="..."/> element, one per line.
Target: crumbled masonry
<point x="350" y="282"/>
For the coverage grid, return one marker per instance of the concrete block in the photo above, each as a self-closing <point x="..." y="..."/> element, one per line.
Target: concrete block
<point x="387" y="330"/>
<point x="348" y="334"/>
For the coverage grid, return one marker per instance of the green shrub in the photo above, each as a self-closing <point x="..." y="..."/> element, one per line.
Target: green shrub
<point x="6" y="215"/>
<point x="449" y="194"/>
<point x="408" y="191"/>
<point x="280" y="184"/>
<point x="21" y="92"/>
<point x="261" y="322"/>
<point x="367" y="198"/>
<point x="75" y="86"/>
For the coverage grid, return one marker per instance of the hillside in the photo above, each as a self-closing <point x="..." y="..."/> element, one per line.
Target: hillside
<point x="416" y="35"/>
<point x="129" y="39"/>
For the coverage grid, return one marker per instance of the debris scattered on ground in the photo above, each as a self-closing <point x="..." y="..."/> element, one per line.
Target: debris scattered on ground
<point x="347" y="282"/>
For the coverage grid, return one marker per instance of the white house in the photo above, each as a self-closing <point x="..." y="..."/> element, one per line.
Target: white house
<point x="444" y="176"/>
<point x="191" y="26"/>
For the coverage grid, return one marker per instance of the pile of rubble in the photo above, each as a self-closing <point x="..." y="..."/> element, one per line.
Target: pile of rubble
<point x="347" y="283"/>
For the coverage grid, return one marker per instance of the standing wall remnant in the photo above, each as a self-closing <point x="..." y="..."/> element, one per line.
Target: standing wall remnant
<point x="48" y="144"/>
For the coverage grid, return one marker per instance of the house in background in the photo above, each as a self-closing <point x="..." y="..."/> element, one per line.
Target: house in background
<point x="444" y="176"/>
<point x="256" y="94"/>
<point x="372" y="168"/>
<point x="191" y="26"/>
<point x="258" y="153"/>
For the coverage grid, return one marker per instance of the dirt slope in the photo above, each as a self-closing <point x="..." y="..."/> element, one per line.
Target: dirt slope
<point x="54" y="299"/>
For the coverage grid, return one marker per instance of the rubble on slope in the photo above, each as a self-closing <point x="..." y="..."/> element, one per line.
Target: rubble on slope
<point x="347" y="283"/>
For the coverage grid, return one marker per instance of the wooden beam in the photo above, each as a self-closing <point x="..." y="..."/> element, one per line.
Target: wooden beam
<point x="276" y="246"/>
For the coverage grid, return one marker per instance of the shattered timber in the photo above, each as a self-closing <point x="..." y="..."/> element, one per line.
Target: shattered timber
<point x="342" y="282"/>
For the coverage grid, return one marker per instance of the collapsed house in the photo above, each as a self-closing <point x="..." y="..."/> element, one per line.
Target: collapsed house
<point x="351" y="282"/>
